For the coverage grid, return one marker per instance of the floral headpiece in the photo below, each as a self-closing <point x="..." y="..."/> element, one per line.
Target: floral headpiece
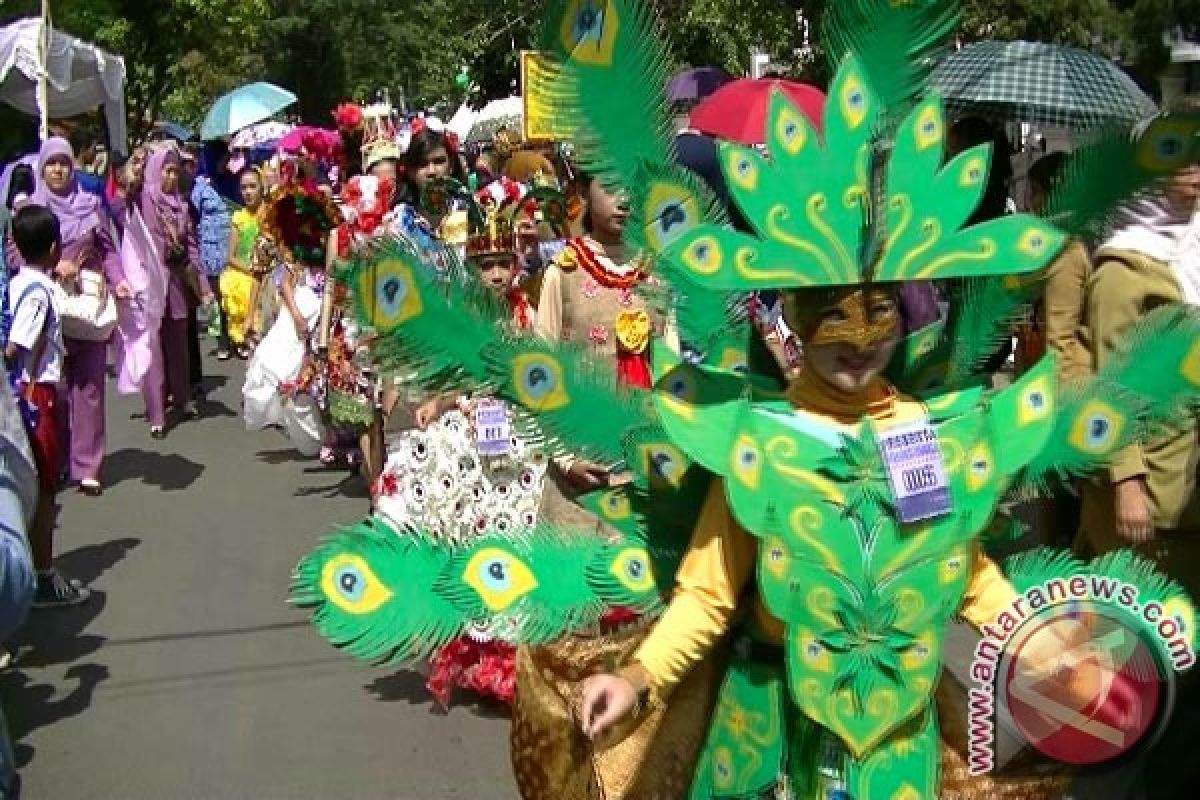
<point x="299" y="217"/>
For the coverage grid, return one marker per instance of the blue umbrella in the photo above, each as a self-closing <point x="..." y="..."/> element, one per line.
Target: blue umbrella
<point x="244" y="106"/>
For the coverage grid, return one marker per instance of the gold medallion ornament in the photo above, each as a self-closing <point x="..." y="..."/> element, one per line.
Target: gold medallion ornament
<point x="633" y="331"/>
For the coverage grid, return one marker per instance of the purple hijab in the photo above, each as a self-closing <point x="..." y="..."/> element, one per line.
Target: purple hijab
<point x="159" y="208"/>
<point x="77" y="209"/>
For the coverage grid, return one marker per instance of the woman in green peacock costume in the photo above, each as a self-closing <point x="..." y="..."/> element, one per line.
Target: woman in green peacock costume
<point x="857" y="505"/>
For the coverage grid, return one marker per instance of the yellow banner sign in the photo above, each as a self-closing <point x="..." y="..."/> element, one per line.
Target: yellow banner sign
<point x="541" y="122"/>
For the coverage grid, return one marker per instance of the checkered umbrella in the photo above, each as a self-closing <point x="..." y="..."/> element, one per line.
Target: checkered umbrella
<point x="1041" y="84"/>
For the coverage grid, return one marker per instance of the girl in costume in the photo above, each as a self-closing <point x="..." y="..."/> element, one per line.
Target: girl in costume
<point x="588" y="296"/>
<point x="237" y="283"/>
<point x="279" y="387"/>
<point x="463" y="471"/>
<point x="426" y="211"/>
<point x="860" y="553"/>
<point x="86" y="230"/>
<point x="432" y="157"/>
<point x="349" y="390"/>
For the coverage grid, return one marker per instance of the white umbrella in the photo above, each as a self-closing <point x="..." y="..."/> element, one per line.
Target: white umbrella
<point x="263" y="133"/>
<point x="506" y="112"/>
<point x="460" y="124"/>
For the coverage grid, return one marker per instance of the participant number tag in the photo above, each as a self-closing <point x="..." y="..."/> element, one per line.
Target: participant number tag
<point x="492" y="430"/>
<point x="915" y="471"/>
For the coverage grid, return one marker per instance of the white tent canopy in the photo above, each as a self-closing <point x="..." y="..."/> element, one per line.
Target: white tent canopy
<point x="79" y="76"/>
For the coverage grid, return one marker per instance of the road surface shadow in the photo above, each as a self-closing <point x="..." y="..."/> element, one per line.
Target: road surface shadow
<point x="350" y="486"/>
<point x="212" y="383"/>
<point x="56" y="636"/>
<point x="287" y="455"/>
<point x="170" y="472"/>
<point x="405" y="685"/>
<point x="409" y="686"/>
<point x="215" y="409"/>
<point x="30" y="705"/>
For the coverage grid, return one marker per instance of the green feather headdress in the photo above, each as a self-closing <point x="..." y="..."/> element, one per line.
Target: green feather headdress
<point x="869" y="200"/>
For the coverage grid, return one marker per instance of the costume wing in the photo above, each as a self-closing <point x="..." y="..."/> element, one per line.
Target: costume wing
<point x="1150" y="386"/>
<point x="388" y="595"/>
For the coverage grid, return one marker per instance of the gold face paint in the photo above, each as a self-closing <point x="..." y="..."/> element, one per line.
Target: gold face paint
<point x="853" y="316"/>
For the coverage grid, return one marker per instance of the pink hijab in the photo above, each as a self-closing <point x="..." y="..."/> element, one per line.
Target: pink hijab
<point x="77" y="209"/>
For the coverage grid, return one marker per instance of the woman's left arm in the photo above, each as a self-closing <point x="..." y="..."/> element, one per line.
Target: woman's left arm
<point x="193" y="252"/>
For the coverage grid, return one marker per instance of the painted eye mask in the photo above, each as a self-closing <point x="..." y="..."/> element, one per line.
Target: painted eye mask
<point x="861" y="317"/>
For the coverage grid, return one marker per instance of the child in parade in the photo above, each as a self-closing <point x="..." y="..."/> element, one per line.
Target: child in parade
<point x="35" y="353"/>
<point x="238" y="283"/>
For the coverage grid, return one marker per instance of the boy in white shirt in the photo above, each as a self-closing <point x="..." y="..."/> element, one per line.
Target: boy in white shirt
<point x="35" y="353"/>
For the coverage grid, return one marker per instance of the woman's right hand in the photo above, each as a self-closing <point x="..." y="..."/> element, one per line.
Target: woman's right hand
<point x="1132" y="508"/>
<point x="123" y="290"/>
<point x="604" y="701"/>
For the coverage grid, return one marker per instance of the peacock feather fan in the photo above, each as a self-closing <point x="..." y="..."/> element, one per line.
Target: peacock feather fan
<point x="576" y="400"/>
<point x="386" y="595"/>
<point x="402" y="300"/>
<point x="1150" y="385"/>
<point x="372" y="593"/>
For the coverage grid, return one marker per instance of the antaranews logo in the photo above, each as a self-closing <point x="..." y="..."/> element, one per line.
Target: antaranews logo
<point x="1085" y="672"/>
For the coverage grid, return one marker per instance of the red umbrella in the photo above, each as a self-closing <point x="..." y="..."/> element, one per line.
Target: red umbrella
<point x="738" y="110"/>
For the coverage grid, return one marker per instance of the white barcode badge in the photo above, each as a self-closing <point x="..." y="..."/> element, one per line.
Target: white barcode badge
<point x="492" y="430"/>
<point x="915" y="471"/>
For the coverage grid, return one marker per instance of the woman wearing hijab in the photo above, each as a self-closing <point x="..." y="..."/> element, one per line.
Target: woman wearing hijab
<point x="88" y="245"/>
<point x="164" y="210"/>
<point x="1148" y="501"/>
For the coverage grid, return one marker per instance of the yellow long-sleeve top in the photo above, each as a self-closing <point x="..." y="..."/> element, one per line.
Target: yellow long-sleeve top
<point x="722" y="556"/>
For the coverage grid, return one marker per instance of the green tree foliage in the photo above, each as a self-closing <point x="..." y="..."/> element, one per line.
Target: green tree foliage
<point x="180" y="54"/>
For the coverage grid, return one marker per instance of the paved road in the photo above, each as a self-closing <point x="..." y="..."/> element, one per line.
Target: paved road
<point x="188" y="676"/>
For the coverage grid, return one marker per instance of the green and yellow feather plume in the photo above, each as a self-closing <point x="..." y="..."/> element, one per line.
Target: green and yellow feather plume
<point x="385" y="595"/>
<point x="1034" y="568"/>
<point x="609" y="85"/>
<point x="575" y="399"/>
<point x="898" y="42"/>
<point x="1150" y="386"/>
<point x="399" y="297"/>
<point x="1113" y="166"/>
<point x="578" y="406"/>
